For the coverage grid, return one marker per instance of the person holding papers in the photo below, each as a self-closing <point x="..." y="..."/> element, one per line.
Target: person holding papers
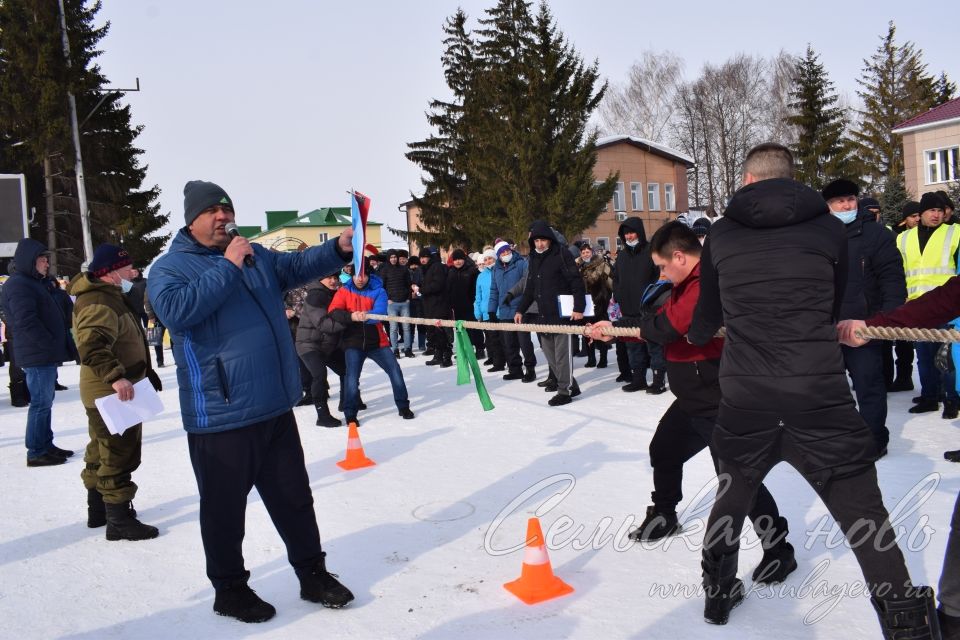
<point x="553" y="273"/>
<point x="113" y="356"/>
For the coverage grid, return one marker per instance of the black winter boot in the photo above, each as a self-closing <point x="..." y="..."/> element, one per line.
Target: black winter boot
<point x="481" y="353"/>
<point x="591" y="356"/>
<point x="529" y="375"/>
<point x="658" y="524"/>
<point x="913" y="617"/>
<point x="925" y="406"/>
<point x="903" y="381"/>
<point x="123" y="526"/>
<point x="657" y="386"/>
<point x="408" y="353"/>
<point x="305" y="401"/>
<point x="324" y="418"/>
<point x="446" y="360"/>
<point x="722" y="589"/>
<point x="639" y="382"/>
<point x="96" y="512"/>
<point x="514" y="374"/>
<point x="778" y="557"/>
<point x="949" y="410"/>
<point x="602" y="363"/>
<point x="435" y="360"/>
<point x="319" y="585"/>
<point x="241" y="602"/>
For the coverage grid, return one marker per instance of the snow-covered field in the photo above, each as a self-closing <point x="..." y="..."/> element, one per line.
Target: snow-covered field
<point x="423" y="538"/>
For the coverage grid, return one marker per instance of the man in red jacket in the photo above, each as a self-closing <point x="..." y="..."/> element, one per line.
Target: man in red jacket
<point x="687" y="426"/>
<point x="931" y="310"/>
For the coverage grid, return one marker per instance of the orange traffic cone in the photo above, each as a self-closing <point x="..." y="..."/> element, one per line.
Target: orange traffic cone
<point x="356" y="458"/>
<point x="537" y="582"/>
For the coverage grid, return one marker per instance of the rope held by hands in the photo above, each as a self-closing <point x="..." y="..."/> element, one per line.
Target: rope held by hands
<point x="881" y="333"/>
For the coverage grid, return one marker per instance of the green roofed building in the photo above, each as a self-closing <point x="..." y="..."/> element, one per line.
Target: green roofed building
<point x="290" y="231"/>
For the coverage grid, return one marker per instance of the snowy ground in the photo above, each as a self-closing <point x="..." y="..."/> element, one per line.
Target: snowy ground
<point x="415" y="536"/>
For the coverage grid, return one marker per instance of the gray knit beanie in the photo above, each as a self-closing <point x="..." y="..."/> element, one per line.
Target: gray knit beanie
<point x="199" y="195"/>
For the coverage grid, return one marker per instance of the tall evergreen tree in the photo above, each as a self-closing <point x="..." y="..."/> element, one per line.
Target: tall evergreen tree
<point x="35" y="126"/>
<point x="892" y="199"/>
<point x="821" y="151"/>
<point x="895" y="86"/>
<point x="522" y="102"/>
<point x="946" y="90"/>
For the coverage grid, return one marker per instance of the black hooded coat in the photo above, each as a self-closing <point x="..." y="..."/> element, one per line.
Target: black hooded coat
<point x="551" y="274"/>
<point x="773" y="273"/>
<point x="633" y="270"/>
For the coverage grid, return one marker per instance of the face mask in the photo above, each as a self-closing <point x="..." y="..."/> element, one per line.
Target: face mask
<point x="540" y="250"/>
<point x="846" y="217"/>
<point x="633" y="243"/>
<point x="125" y="285"/>
<point x="505" y="258"/>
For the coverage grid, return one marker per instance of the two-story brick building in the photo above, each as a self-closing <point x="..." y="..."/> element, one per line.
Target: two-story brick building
<point x="931" y="148"/>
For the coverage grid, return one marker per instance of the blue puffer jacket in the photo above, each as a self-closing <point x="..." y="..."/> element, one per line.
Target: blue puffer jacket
<point x="37" y="324"/>
<point x="481" y="299"/>
<point x="236" y="362"/>
<point x="505" y="276"/>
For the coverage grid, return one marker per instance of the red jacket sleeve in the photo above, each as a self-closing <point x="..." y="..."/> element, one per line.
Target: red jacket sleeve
<point x="931" y="310"/>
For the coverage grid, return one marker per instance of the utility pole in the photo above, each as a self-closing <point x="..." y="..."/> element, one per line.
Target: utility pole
<point x="51" y="218"/>
<point x="81" y="185"/>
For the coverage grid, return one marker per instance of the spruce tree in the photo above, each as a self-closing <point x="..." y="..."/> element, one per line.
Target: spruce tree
<point x="894" y="196"/>
<point x="895" y="86"/>
<point x="523" y="98"/>
<point x="35" y="125"/>
<point x="821" y="152"/>
<point x="946" y="90"/>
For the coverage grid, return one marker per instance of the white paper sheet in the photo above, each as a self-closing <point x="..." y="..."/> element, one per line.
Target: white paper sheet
<point x="566" y="306"/>
<point x="120" y="416"/>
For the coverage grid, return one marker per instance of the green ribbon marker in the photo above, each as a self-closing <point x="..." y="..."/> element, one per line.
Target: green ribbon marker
<point x="467" y="361"/>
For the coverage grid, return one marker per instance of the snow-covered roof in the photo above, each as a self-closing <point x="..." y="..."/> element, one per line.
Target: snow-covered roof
<point x="648" y="145"/>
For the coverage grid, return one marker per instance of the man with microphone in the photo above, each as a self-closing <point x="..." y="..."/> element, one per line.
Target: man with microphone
<point x="221" y="298"/>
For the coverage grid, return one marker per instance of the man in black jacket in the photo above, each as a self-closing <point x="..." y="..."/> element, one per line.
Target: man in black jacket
<point x="772" y="272"/>
<point x="632" y="273"/>
<point x="436" y="304"/>
<point x="553" y="272"/>
<point x="396" y="282"/>
<point x="875" y="282"/>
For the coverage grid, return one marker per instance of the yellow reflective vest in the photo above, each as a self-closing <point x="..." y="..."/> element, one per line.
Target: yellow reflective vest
<point x="933" y="267"/>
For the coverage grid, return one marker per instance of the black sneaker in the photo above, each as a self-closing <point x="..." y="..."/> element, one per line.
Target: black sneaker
<point x="57" y="451"/>
<point x="46" y="460"/>
<point x="559" y="400"/>
<point x="60" y="387"/>
<point x="926" y="405"/>
<point x="406" y="414"/>
<point x="497" y="367"/>
<point x="243" y="603"/>
<point x="319" y="585"/>
<point x="656" y="525"/>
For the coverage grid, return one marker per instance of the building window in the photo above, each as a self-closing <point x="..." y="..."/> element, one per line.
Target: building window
<point x="942" y="165"/>
<point x="603" y="244"/>
<point x="636" y="196"/>
<point x="653" y="196"/>
<point x="669" y="200"/>
<point x="324" y="237"/>
<point x="586" y="239"/>
<point x="618" y="197"/>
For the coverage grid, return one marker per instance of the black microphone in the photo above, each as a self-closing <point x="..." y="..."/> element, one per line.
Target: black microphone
<point x="233" y="231"/>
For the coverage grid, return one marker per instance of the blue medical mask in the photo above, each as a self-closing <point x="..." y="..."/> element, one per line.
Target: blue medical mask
<point x="125" y="285"/>
<point x="846" y="217"/>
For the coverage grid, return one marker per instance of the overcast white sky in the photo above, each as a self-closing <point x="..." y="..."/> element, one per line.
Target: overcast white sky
<point x="287" y="104"/>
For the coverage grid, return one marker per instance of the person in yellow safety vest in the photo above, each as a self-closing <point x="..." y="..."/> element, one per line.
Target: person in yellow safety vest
<point x="930" y="259"/>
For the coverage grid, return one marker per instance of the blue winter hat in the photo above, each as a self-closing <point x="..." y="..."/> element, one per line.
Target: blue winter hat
<point x="108" y="258"/>
<point x="199" y="195"/>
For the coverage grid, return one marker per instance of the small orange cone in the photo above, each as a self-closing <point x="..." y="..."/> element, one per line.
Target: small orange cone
<point x="537" y="582"/>
<point x="356" y="458"/>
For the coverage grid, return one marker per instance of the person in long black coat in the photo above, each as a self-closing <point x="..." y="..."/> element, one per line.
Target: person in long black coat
<point x="436" y="304"/>
<point x="875" y="282"/>
<point x="773" y="271"/>
<point x="462" y="291"/>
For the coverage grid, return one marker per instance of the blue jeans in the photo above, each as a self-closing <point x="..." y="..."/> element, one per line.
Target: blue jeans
<point x="400" y="309"/>
<point x="351" y="380"/>
<point x="644" y="355"/>
<point x="41" y="382"/>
